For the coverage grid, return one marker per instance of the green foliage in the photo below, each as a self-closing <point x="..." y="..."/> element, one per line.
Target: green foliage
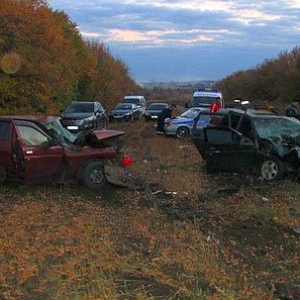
<point x="45" y="63"/>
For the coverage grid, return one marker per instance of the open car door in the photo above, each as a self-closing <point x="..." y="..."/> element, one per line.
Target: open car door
<point x="227" y="150"/>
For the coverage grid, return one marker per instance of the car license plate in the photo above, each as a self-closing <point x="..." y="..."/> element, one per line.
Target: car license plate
<point x="72" y="127"/>
<point x="154" y="117"/>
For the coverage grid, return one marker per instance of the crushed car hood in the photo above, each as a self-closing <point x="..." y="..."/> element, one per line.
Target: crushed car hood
<point x="100" y="138"/>
<point x="106" y="133"/>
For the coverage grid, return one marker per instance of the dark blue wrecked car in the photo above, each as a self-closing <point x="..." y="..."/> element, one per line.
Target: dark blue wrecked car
<point x="249" y="140"/>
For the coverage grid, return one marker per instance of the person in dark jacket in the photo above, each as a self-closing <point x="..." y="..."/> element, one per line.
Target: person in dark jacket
<point x="292" y="110"/>
<point x="164" y="114"/>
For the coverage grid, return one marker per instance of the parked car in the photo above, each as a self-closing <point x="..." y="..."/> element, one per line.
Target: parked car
<point x="36" y="149"/>
<point x="154" y="109"/>
<point x="182" y="125"/>
<point x="138" y="100"/>
<point x="125" y="112"/>
<point x="83" y="115"/>
<point x="253" y="140"/>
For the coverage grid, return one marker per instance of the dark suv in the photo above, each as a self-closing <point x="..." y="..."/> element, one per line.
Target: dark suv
<point x="249" y="140"/>
<point x="35" y="149"/>
<point x="83" y="115"/>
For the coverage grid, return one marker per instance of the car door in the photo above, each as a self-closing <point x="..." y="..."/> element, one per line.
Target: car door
<point x="36" y="157"/>
<point x="228" y="150"/>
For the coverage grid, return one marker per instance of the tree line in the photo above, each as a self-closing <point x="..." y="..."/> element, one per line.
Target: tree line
<point x="275" y="80"/>
<point x="45" y="63"/>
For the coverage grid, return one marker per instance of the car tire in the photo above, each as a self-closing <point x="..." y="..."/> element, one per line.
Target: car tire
<point x="93" y="175"/>
<point x="182" y="132"/>
<point x="271" y="168"/>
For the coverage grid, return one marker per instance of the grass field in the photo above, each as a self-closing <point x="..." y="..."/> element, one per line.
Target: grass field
<point x="181" y="235"/>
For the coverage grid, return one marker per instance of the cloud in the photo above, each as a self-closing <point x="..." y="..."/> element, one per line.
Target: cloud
<point x="179" y="39"/>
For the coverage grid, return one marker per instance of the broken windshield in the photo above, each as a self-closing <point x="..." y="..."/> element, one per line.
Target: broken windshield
<point x="55" y="125"/>
<point x="277" y="127"/>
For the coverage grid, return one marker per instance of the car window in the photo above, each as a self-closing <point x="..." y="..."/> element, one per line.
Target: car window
<point x="100" y="107"/>
<point x="246" y="128"/>
<point x="197" y="101"/>
<point x="190" y="113"/>
<point x="124" y="106"/>
<point x="235" y="119"/>
<point x="221" y="136"/>
<point x="157" y="106"/>
<point x="4" y="130"/>
<point x="135" y="101"/>
<point x="56" y="128"/>
<point x="80" y="108"/>
<point x="31" y="137"/>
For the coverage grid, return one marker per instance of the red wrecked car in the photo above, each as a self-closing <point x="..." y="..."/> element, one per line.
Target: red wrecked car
<point x="38" y="149"/>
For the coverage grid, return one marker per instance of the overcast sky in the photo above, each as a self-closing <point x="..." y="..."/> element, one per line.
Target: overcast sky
<point x="187" y="40"/>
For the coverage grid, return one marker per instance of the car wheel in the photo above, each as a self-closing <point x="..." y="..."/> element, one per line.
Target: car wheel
<point x="182" y="132"/>
<point x="93" y="175"/>
<point x="271" y="169"/>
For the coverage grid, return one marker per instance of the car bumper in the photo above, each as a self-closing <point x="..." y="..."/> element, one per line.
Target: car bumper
<point x="120" y="117"/>
<point x="150" y="117"/>
<point x="170" y="130"/>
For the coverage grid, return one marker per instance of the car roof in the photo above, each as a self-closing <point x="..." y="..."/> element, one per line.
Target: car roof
<point x="158" y="103"/>
<point x="84" y="102"/>
<point x="134" y="97"/>
<point x="38" y="118"/>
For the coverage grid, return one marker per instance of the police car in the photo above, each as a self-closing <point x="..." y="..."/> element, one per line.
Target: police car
<point x="182" y="125"/>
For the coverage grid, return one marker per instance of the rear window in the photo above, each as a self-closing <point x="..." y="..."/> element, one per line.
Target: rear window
<point x="157" y="106"/>
<point x="132" y="100"/>
<point x="4" y="130"/>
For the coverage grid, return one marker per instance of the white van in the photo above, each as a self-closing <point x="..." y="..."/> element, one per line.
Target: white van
<point x="204" y="97"/>
<point x="140" y="101"/>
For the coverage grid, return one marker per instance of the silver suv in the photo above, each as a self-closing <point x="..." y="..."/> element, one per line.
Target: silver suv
<point x="138" y="100"/>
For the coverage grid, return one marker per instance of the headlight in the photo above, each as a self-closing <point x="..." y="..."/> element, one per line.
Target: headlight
<point x="89" y="119"/>
<point x="127" y="114"/>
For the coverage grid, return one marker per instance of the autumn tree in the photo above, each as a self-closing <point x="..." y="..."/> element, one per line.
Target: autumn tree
<point x="45" y="63"/>
<point x="277" y="79"/>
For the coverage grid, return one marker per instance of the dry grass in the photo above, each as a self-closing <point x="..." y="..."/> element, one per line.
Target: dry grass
<point x="200" y="237"/>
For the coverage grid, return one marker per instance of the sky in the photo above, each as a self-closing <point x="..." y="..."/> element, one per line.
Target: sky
<point x="187" y="40"/>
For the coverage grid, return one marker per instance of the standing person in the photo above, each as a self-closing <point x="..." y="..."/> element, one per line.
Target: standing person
<point x="216" y="105"/>
<point x="164" y="114"/>
<point x="292" y="109"/>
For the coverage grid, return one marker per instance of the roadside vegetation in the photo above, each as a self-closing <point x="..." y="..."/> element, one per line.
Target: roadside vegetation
<point x="180" y="235"/>
<point x="45" y="62"/>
